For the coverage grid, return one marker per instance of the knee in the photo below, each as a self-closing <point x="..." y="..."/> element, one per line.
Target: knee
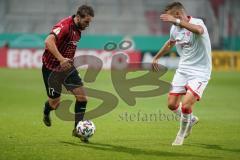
<point x="172" y="105"/>
<point x="187" y="104"/>
<point x="81" y="98"/>
<point x="54" y="103"/>
<point x="187" y="108"/>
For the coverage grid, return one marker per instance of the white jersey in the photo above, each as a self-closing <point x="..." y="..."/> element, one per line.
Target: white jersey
<point x="194" y="50"/>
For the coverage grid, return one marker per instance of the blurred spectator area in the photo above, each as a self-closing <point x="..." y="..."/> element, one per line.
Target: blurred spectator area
<point x="119" y="17"/>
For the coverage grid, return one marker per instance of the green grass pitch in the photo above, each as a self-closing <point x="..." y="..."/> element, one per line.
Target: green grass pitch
<point x="23" y="135"/>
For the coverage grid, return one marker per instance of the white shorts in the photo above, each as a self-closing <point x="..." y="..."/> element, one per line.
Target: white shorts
<point x="183" y="83"/>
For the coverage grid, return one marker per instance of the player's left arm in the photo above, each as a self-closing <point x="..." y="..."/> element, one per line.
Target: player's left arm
<point x="197" y="29"/>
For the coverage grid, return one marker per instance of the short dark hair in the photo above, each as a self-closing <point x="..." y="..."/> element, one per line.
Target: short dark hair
<point x="85" y="10"/>
<point x="174" y="5"/>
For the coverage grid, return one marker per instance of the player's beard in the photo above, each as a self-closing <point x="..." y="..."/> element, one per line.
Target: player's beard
<point x="80" y="26"/>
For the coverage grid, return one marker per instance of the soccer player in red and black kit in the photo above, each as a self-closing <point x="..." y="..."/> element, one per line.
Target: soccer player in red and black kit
<point x="58" y="56"/>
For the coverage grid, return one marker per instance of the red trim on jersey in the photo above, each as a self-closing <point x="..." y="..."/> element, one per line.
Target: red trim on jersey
<point x="194" y="93"/>
<point x="176" y="94"/>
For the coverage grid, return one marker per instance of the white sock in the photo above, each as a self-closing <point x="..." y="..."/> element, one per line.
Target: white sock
<point x="178" y="111"/>
<point x="184" y="123"/>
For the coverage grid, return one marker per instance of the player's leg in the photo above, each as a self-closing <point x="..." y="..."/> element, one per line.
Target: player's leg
<point x="49" y="106"/>
<point x="174" y="103"/>
<point x="80" y="108"/>
<point x="177" y="91"/>
<point x="53" y="97"/>
<point x="195" y="88"/>
<point x="74" y="84"/>
<point x="80" y="104"/>
<point x="187" y="105"/>
<point x="187" y="115"/>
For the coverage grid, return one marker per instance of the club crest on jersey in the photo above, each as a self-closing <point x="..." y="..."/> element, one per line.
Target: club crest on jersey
<point x="183" y="39"/>
<point x="188" y="33"/>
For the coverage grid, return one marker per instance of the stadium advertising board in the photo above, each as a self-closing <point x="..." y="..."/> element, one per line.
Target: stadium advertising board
<point x="226" y="61"/>
<point x="32" y="58"/>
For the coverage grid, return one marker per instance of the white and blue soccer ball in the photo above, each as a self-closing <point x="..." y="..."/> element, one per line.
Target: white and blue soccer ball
<point x="86" y="128"/>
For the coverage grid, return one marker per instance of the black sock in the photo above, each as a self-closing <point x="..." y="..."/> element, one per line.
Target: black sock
<point x="47" y="108"/>
<point x="80" y="108"/>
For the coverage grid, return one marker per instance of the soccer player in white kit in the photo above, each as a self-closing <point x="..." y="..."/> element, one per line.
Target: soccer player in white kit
<point x="190" y="36"/>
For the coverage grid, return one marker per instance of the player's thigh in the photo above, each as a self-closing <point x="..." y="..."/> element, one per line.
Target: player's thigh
<point x="74" y="84"/>
<point x="177" y="90"/>
<point x="52" y="92"/>
<point x="189" y="100"/>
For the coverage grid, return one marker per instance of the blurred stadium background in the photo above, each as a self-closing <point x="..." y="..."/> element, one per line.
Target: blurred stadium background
<point x="25" y="24"/>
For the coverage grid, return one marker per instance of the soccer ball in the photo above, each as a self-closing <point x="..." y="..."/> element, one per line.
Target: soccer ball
<point x="86" y="128"/>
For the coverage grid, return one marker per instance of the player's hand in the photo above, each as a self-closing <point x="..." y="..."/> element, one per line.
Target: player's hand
<point x="65" y="63"/>
<point x="155" y="65"/>
<point x="168" y="18"/>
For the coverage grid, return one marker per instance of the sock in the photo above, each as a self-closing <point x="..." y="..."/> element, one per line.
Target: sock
<point x="47" y="108"/>
<point x="188" y="111"/>
<point x="185" y="120"/>
<point x="177" y="110"/>
<point x="80" y="108"/>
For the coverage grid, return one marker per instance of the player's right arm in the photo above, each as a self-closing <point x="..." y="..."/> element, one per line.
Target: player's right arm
<point x="165" y="49"/>
<point x="50" y="43"/>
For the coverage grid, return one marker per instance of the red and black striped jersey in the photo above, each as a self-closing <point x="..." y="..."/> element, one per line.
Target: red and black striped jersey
<point x="67" y="36"/>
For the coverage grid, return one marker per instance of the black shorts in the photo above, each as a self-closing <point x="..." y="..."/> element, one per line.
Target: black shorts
<point x="54" y="80"/>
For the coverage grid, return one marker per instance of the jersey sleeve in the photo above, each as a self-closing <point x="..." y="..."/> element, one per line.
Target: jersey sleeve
<point x="172" y="39"/>
<point x="59" y="31"/>
<point x="201" y="23"/>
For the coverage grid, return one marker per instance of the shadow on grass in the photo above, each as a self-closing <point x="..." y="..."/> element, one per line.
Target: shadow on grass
<point x="134" y="151"/>
<point x="213" y="147"/>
